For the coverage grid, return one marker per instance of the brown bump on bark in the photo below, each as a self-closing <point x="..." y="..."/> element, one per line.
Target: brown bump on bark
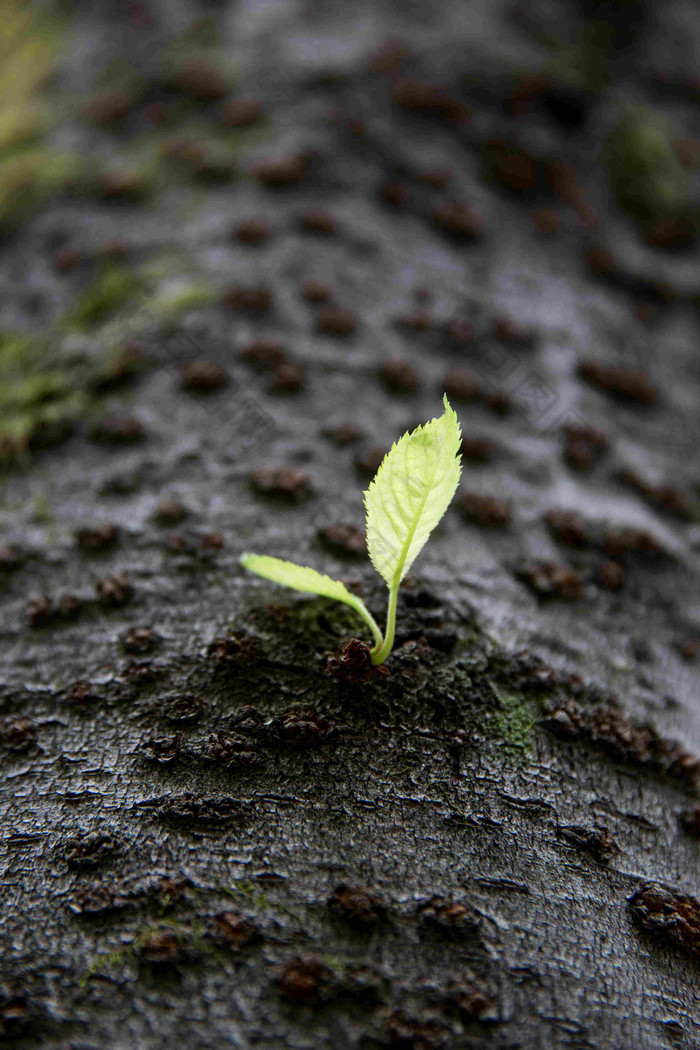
<point x="460" y="332"/>
<point x="459" y="384"/>
<point x="122" y="185"/>
<point x="611" y="575"/>
<point x="344" y="539"/>
<point x="115" y="590"/>
<point x="233" y="930"/>
<point x="169" y="512"/>
<point x="254" y="300"/>
<point x="40" y="611"/>
<point x="394" y="193"/>
<point x="202" y="376"/>
<point x="264" y="351"/>
<point x="232" y="649"/>
<point x="615" y="733"/>
<point x="69" y="606"/>
<point x="388" y="57"/>
<point x="157" y="113"/>
<point x="567" y="527"/>
<point x="336" y="320"/>
<point x="358" y="906"/>
<point x="584" y="446"/>
<point x="200" y="79"/>
<point x="691" y="821"/>
<point x="66" y="259"/>
<point x="318" y="220"/>
<point x="448" y="915"/>
<point x="507" y="331"/>
<point x="109" y="107"/>
<point x="515" y="168"/>
<point x="600" y="261"/>
<point x="302" y="727"/>
<point x="20" y="734"/>
<point x="458" y="221"/>
<point x="418" y="321"/>
<point x="477" y="450"/>
<point x="355" y="663"/>
<point x="343" y="434"/>
<point x="86" y="851"/>
<point x="549" y="580"/>
<point x="212" y="541"/>
<point x="184" y="150"/>
<point x="596" y="841"/>
<point x="251" y="231"/>
<point x="82" y="693"/>
<point x="672" y="234"/>
<point x="9" y="559"/>
<point x="670" y="499"/>
<point x="438" y="178"/>
<point x="565" y="720"/>
<point x="484" y="510"/>
<point x="546" y="220"/>
<point x="241" y="113"/>
<point x="689" y="648"/>
<point x="669" y="917"/>
<point x="302" y="979"/>
<point x="289" y="482"/>
<point x="160" y="947"/>
<point x="630" y="541"/>
<point x="100" y="538"/>
<point x="475" y="1004"/>
<point x="281" y="172"/>
<point x="411" y="1033"/>
<point x="498" y="402"/>
<point x="287" y="378"/>
<point x="140" y="640"/>
<point x="399" y="376"/>
<point x="182" y="708"/>
<point x="418" y="97"/>
<point x="369" y="462"/>
<point x="316" y="291"/>
<point x="114" y="249"/>
<point x="627" y="384"/>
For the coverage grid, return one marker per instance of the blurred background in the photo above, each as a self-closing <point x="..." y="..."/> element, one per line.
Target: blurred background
<point x="158" y="160"/>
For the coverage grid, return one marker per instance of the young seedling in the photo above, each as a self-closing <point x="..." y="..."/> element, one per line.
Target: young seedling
<point x="406" y="499"/>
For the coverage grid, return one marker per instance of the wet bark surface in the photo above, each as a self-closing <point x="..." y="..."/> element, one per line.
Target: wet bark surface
<point x="217" y="829"/>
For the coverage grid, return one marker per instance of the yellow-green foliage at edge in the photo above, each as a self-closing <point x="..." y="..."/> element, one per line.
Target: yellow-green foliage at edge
<point x="29" y="175"/>
<point x="27" y="43"/>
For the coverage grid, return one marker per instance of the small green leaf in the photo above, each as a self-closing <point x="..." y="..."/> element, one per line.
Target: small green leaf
<point x="410" y="493"/>
<point x="303" y="578"/>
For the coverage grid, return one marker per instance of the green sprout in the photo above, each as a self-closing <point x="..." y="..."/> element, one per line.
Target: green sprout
<point x="406" y="499"/>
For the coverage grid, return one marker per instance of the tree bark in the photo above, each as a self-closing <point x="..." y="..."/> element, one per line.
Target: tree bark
<point x="217" y="831"/>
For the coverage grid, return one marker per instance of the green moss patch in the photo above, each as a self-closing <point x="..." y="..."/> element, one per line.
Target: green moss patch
<point x="111" y="290"/>
<point x="649" y="181"/>
<point x="513" y="722"/>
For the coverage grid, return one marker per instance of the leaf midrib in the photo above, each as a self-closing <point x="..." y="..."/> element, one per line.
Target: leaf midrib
<point x="396" y="579"/>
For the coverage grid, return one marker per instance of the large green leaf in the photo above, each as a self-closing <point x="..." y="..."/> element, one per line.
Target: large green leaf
<point x="410" y="493"/>
<point x="303" y="578"/>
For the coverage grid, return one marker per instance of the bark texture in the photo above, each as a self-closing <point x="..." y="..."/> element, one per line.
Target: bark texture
<point x="217" y="830"/>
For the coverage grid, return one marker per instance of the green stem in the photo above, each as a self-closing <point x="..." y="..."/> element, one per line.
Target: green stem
<point x="366" y="615"/>
<point x="380" y="652"/>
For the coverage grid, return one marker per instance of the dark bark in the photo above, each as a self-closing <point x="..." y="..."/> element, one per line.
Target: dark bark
<point x="212" y="836"/>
